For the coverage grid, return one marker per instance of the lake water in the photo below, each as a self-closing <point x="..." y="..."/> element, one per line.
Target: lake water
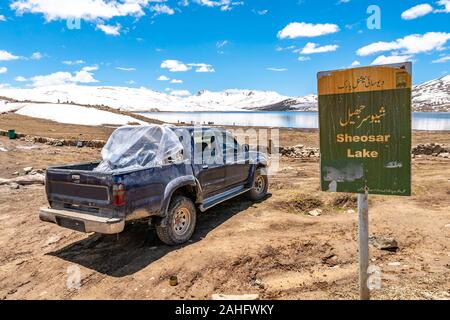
<point x="284" y="119"/>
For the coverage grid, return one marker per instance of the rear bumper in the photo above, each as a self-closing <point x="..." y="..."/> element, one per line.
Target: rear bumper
<point x="81" y="221"/>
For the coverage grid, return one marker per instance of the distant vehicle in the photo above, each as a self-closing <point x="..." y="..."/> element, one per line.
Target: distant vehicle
<point x="151" y="174"/>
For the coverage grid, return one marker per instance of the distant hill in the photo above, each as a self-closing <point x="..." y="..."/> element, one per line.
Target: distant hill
<point x="432" y="95"/>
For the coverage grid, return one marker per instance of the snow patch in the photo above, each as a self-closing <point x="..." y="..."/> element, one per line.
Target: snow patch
<point x="73" y="114"/>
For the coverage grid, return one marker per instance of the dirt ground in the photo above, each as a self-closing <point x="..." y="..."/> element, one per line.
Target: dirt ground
<point x="271" y="248"/>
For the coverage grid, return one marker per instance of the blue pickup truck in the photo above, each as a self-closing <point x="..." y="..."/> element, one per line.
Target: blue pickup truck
<point x="162" y="173"/>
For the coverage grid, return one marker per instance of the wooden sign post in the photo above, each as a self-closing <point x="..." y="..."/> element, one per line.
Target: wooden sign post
<point x="363" y="241"/>
<point x="365" y="138"/>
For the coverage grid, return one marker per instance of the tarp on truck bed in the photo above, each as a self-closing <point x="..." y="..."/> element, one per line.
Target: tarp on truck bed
<point x="139" y="147"/>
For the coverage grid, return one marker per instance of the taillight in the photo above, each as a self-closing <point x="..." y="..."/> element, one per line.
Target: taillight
<point x="118" y="194"/>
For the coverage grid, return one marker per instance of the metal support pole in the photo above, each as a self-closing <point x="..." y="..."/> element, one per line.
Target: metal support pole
<point x="363" y="234"/>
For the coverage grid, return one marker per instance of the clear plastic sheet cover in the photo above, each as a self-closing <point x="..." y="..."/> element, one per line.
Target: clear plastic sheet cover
<point x="139" y="147"/>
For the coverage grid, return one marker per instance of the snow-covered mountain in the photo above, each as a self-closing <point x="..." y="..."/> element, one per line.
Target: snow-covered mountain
<point x="433" y="95"/>
<point x="142" y="99"/>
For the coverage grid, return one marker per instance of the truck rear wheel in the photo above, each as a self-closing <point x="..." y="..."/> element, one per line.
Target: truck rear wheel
<point x="260" y="186"/>
<point x="180" y="221"/>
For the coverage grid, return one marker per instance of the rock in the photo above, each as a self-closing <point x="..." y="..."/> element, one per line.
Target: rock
<point x="27" y="169"/>
<point x="15" y="173"/>
<point x="14" y="186"/>
<point x="351" y="211"/>
<point x="218" y="296"/>
<point x="447" y="225"/>
<point x="315" y="212"/>
<point x="444" y="155"/>
<point x="52" y="239"/>
<point x="299" y="151"/>
<point x="383" y="243"/>
<point x="25" y="180"/>
<point x="394" y="264"/>
<point x="433" y="149"/>
<point x="79" y="144"/>
<point x="36" y="171"/>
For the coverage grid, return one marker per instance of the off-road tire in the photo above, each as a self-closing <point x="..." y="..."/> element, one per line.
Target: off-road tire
<point x="259" y="187"/>
<point x="173" y="233"/>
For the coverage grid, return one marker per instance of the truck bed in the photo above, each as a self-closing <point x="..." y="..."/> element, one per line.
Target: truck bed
<point x="79" y="189"/>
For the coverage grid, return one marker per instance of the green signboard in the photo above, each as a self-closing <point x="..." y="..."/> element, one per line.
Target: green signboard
<point x="365" y="129"/>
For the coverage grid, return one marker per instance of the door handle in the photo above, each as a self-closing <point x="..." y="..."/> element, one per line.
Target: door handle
<point x="205" y="166"/>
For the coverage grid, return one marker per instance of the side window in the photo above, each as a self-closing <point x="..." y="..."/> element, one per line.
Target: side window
<point x="230" y="148"/>
<point x="229" y="144"/>
<point x="207" y="148"/>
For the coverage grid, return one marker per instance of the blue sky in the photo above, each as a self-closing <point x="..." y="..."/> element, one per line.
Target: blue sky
<point x="214" y="45"/>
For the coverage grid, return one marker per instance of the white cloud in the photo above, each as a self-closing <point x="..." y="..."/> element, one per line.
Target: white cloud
<point x="225" y="5"/>
<point x="417" y="11"/>
<point x="302" y="29"/>
<point x="3" y="70"/>
<point x="162" y="9"/>
<point x="176" y="81"/>
<point x="277" y="69"/>
<point x="90" y="68"/>
<point x="391" y="59"/>
<point x="261" y="12"/>
<point x="221" y="44"/>
<point x="2" y="17"/>
<point x="174" y="66"/>
<point x="6" y="56"/>
<point x="301" y="58"/>
<point x="20" y="79"/>
<point x="83" y="76"/>
<point x="36" y="56"/>
<point x="285" y="48"/>
<point x="110" y="30"/>
<point x="180" y="93"/>
<point x="89" y="10"/>
<point x="355" y="63"/>
<point x="58" y="78"/>
<point x="163" y="78"/>
<point x="178" y="66"/>
<point x="125" y="69"/>
<point x="68" y="62"/>
<point x="446" y="4"/>
<point x="311" y="48"/>
<point x="442" y="59"/>
<point x="202" y="67"/>
<point x="411" y="44"/>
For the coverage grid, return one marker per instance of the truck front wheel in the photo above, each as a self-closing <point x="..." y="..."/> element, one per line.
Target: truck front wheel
<point x="180" y="221"/>
<point x="260" y="186"/>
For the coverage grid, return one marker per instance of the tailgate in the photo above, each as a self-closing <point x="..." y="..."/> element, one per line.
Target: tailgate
<point x="72" y="187"/>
